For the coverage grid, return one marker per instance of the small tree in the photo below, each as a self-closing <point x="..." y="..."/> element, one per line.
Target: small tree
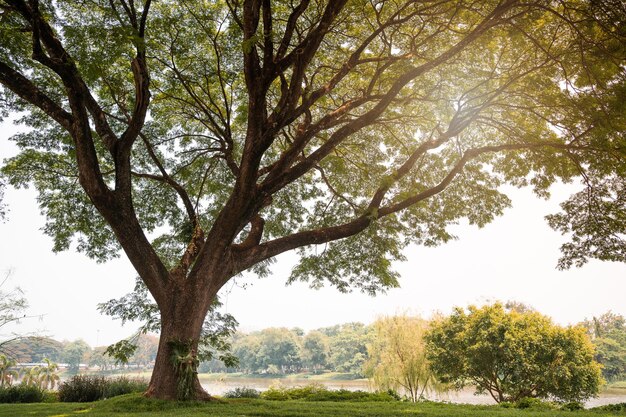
<point x="99" y="358"/>
<point x="48" y="375"/>
<point x="30" y="376"/>
<point x="348" y="347"/>
<point x="315" y="350"/>
<point x="397" y="357"/>
<point x="608" y="333"/>
<point x="513" y="355"/>
<point x="7" y="374"/>
<point x="73" y="353"/>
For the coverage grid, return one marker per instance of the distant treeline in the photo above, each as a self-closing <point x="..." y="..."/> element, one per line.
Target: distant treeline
<point x="341" y="348"/>
<point x="344" y="348"/>
<point x="76" y="354"/>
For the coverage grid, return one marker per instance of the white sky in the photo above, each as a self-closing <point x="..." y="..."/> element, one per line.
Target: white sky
<point x="512" y="258"/>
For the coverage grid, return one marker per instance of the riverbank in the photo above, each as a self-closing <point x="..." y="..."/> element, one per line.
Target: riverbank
<point x="220" y="383"/>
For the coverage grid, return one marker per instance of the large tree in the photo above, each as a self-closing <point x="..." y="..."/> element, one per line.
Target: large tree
<point x="513" y="355"/>
<point x="204" y="138"/>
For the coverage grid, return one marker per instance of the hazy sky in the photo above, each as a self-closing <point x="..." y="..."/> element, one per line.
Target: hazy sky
<point x="512" y="258"/>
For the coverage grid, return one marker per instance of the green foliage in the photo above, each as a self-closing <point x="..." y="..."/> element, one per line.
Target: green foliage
<point x="596" y="220"/>
<point x="22" y="393"/>
<point x="513" y="355"/>
<point x="48" y="376"/>
<point x="185" y="361"/>
<point x="572" y="406"/>
<point x="315" y="350"/>
<point x="123" y="385"/>
<point x="34" y="349"/>
<point x="121" y="351"/>
<point x="534" y="404"/>
<point x="242" y="392"/>
<point x="348" y="347"/>
<point x="349" y="130"/>
<point x="397" y="358"/>
<point x="82" y="388"/>
<point x="7" y="374"/>
<point x="88" y="388"/>
<point x="98" y="358"/>
<point x="74" y="353"/>
<point x="341" y="348"/>
<point x="321" y="393"/>
<point x="137" y="404"/>
<point x="272" y="350"/>
<point x="139" y="306"/>
<point x="608" y="334"/>
<point x="615" y="408"/>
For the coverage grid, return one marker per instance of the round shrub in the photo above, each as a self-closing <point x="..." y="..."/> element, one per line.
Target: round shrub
<point x="242" y="392"/>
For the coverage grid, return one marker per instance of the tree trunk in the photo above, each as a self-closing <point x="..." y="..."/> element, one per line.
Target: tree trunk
<point x="181" y="322"/>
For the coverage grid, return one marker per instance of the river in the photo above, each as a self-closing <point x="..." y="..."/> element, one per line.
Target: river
<point x="220" y="385"/>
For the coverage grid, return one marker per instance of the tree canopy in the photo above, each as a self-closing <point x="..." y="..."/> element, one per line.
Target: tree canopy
<point x="608" y="334"/>
<point x="513" y="355"/>
<point x="205" y="138"/>
<point x="397" y="358"/>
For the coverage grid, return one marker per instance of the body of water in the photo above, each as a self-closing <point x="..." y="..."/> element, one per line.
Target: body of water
<point x="219" y="386"/>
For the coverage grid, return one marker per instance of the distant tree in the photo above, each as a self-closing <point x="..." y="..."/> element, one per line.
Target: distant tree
<point x="608" y="324"/>
<point x="99" y="358"/>
<point x="8" y="373"/>
<point x="34" y="349"/>
<point x="513" y="355"/>
<point x="74" y="353"/>
<point x="147" y="346"/>
<point x="397" y="357"/>
<point x="315" y="350"/>
<point x="48" y="375"/>
<point x="30" y="376"/>
<point x="611" y="354"/>
<point x="246" y="348"/>
<point x="608" y="333"/>
<point x="348" y="347"/>
<point x="279" y="349"/>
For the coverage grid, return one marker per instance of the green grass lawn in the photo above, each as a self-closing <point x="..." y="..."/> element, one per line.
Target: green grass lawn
<point x="135" y="405"/>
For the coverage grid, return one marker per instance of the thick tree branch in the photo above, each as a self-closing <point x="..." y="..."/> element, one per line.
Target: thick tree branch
<point x="277" y="180"/>
<point x="358" y="224"/>
<point x="26" y="90"/>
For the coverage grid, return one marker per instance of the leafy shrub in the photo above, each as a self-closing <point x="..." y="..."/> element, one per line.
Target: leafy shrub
<point x="534" y="404"/>
<point x="321" y="393"/>
<point x="82" y="388"/>
<point x="617" y="407"/>
<point x="21" y="394"/>
<point x="572" y="406"/>
<point x="242" y="392"/>
<point x="122" y="385"/>
<point x="88" y="388"/>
